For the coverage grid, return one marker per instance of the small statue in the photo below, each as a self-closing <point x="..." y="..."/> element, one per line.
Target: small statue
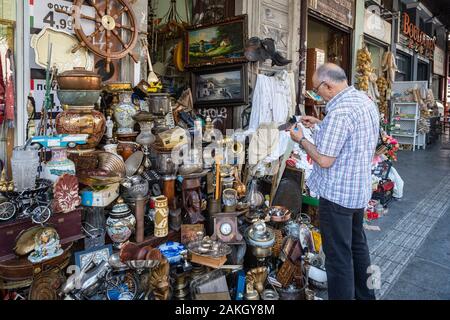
<point x="159" y="280"/>
<point x="192" y="201"/>
<point x="257" y="277"/>
<point x="109" y="128"/>
<point x="46" y="246"/>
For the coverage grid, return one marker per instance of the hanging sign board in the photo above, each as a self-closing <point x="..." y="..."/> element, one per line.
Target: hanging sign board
<point x="377" y="27"/>
<point x="342" y="11"/>
<point x="418" y="40"/>
<point x="439" y="62"/>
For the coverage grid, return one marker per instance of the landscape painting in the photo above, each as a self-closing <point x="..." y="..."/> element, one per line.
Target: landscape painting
<point x="217" y="43"/>
<point x="223" y="86"/>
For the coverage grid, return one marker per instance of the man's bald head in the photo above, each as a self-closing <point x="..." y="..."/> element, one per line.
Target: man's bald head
<point x="331" y="72"/>
<point x="328" y="80"/>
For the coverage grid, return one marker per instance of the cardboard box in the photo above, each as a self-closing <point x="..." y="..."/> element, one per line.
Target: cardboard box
<point x="101" y="198"/>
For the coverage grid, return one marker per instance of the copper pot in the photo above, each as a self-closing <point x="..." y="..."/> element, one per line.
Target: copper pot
<point x="77" y="120"/>
<point x="79" y="79"/>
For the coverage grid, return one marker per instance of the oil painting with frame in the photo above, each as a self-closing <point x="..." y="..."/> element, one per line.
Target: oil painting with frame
<point x="220" y="86"/>
<point x="216" y="43"/>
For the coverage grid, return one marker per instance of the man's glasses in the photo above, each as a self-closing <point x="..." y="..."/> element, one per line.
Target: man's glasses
<point x="316" y="89"/>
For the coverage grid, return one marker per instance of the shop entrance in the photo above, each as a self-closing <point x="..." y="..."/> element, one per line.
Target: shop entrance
<point x="325" y="43"/>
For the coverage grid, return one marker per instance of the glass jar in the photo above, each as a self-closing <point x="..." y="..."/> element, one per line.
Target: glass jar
<point x="24" y="165"/>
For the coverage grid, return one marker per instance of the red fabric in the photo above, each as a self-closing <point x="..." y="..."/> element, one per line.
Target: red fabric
<point x="9" y="94"/>
<point x="386" y="186"/>
<point x="2" y="92"/>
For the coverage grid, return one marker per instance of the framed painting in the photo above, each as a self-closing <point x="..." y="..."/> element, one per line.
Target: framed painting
<point x="220" y="86"/>
<point x="217" y="43"/>
<point x="98" y="254"/>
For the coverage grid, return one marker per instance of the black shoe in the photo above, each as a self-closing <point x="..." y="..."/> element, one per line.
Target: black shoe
<point x="279" y="60"/>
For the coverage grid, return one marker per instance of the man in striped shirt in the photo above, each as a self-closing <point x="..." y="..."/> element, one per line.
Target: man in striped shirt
<point x="345" y="143"/>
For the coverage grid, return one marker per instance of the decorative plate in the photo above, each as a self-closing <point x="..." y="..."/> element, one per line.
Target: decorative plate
<point x="62" y="55"/>
<point x="65" y="194"/>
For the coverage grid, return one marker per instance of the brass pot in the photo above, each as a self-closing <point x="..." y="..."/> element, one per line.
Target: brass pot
<point x="76" y="120"/>
<point x="79" y="79"/>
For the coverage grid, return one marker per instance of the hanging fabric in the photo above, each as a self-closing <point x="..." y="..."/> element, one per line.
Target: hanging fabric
<point x="9" y="94"/>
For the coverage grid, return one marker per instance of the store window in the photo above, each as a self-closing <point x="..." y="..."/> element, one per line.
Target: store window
<point x="436" y="86"/>
<point x="377" y="53"/>
<point x="7" y="79"/>
<point x="422" y="72"/>
<point x="404" y="67"/>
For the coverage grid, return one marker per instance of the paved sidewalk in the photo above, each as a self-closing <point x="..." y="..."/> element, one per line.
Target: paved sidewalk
<point x="413" y="247"/>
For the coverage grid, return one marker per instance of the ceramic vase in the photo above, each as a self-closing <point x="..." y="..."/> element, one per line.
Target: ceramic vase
<point x="59" y="164"/>
<point x="161" y="217"/>
<point x="86" y="120"/>
<point x="124" y="110"/>
<point x="120" y="224"/>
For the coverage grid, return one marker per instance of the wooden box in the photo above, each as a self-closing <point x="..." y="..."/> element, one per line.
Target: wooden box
<point x="68" y="226"/>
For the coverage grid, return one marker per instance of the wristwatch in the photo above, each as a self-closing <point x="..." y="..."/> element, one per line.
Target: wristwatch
<point x="301" y="140"/>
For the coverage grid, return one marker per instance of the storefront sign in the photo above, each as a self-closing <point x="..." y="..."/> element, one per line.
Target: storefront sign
<point x="377" y="27"/>
<point x="417" y="39"/>
<point x="339" y="10"/>
<point x="439" y="61"/>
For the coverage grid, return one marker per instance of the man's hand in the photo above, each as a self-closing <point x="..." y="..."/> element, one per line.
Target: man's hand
<point x="296" y="133"/>
<point x="309" y="121"/>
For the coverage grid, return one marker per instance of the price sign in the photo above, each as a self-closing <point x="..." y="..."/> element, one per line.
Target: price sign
<point x="43" y="14"/>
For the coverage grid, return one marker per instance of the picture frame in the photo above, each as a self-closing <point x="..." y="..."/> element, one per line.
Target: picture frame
<point x="216" y="43"/>
<point x="99" y="254"/>
<point x="220" y="86"/>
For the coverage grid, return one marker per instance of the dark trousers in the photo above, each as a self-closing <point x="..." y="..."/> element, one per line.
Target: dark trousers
<point x="346" y="251"/>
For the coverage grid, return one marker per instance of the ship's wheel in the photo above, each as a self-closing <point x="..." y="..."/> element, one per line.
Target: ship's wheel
<point x="108" y="22"/>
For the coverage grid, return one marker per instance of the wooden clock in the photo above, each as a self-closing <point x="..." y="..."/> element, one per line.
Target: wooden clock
<point x="226" y="228"/>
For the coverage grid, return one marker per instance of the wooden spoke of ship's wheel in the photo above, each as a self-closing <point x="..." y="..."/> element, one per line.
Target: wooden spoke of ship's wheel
<point x="106" y="7"/>
<point x="121" y="26"/>
<point x="118" y="14"/>
<point x="120" y="39"/>
<point x="92" y="35"/>
<point x="96" y="8"/>
<point x="96" y="20"/>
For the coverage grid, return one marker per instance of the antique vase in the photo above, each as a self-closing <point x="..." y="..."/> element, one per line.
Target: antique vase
<point x="120" y="224"/>
<point x="124" y="110"/>
<point x="161" y="217"/>
<point x="82" y="120"/>
<point x="59" y="164"/>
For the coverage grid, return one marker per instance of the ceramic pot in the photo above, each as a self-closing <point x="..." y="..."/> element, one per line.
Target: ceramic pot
<point x="124" y="110"/>
<point x="120" y="224"/>
<point x="83" y="119"/>
<point x="161" y="217"/>
<point x="59" y="164"/>
<point x="125" y="149"/>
